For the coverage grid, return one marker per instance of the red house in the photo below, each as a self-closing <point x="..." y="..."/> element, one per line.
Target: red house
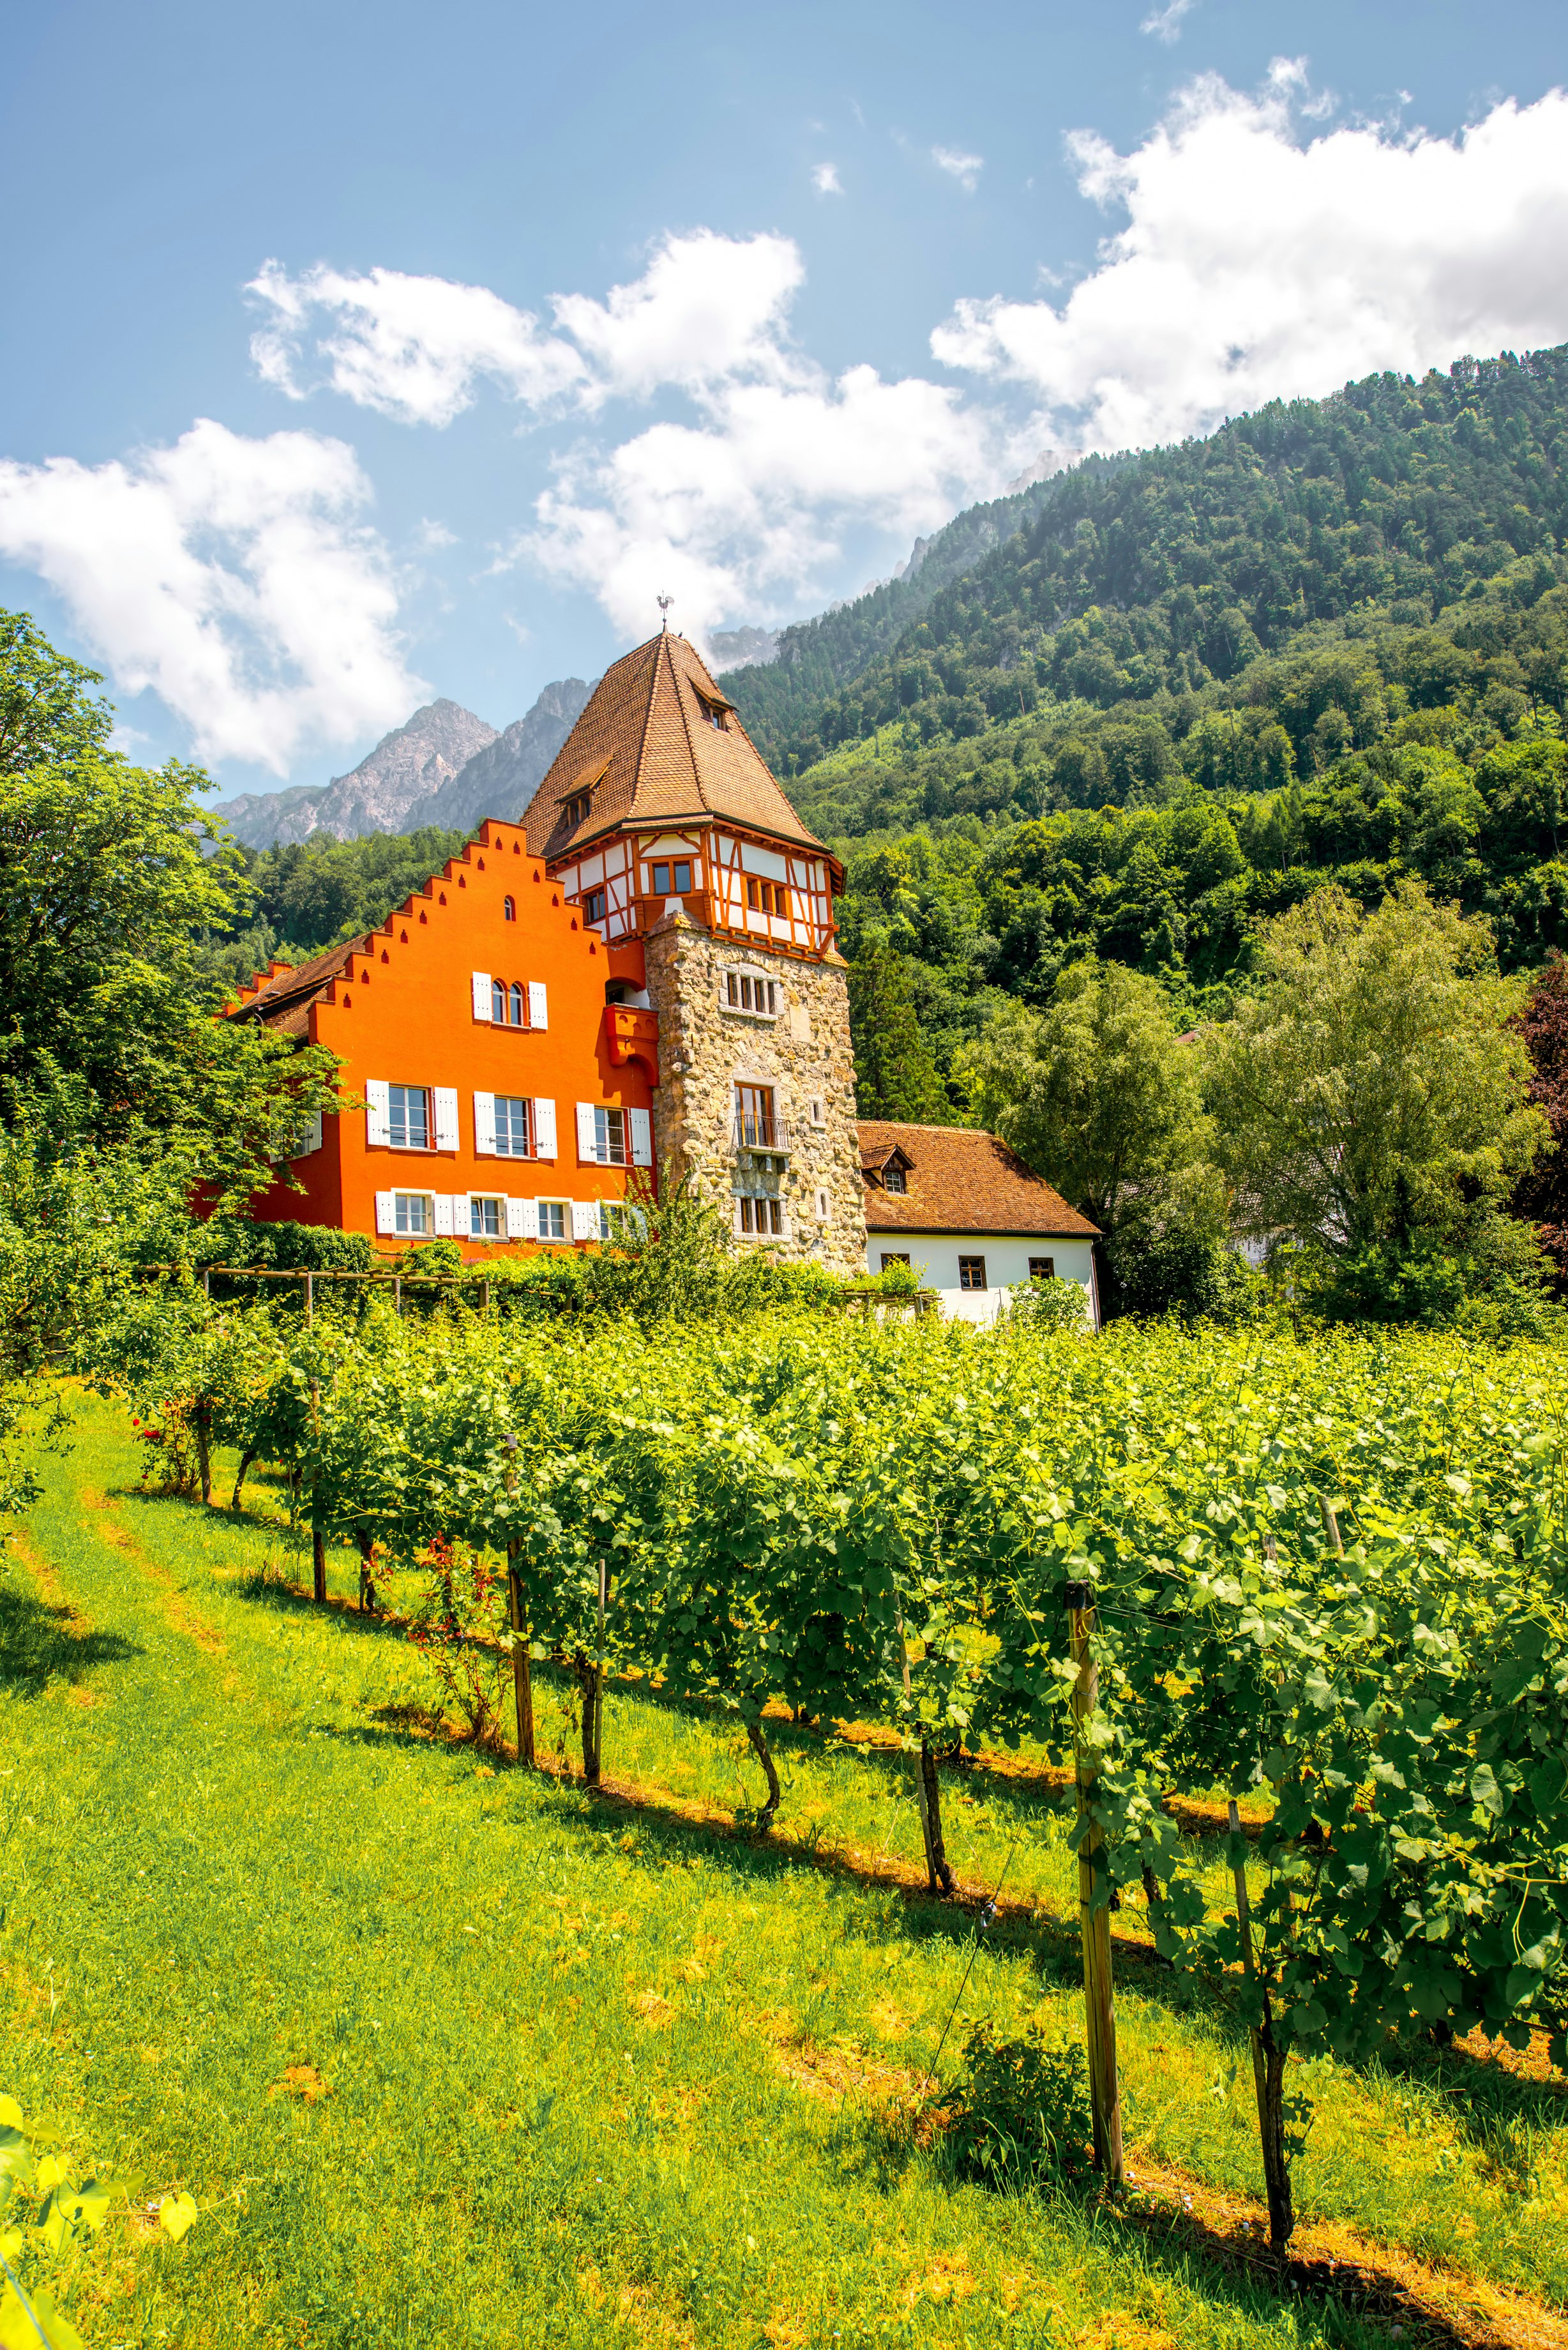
<point x="642" y="972"/>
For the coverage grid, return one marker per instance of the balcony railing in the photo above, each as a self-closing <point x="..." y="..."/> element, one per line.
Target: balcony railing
<point x="763" y="1134"/>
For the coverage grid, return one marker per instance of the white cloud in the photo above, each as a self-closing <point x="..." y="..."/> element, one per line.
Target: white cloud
<point x="825" y="180"/>
<point x="732" y="514"/>
<point x="413" y="348"/>
<point x="965" y="169"/>
<point x="1165" y="23"/>
<point x="706" y="309"/>
<point x="729" y="511"/>
<point x="232" y="577"/>
<point x="1255" y="265"/>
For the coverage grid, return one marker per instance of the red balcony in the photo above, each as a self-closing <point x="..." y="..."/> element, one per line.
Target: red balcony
<point x="632" y="1035"/>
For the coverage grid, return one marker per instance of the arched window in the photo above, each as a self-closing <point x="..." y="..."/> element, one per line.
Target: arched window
<point x="498" y="999"/>
<point x="517" y="1004"/>
<point x="509" y="908"/>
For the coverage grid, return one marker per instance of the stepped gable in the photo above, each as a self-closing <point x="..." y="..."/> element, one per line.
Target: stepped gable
<point x="281" y="998"/>
<point x="645" y="752"/>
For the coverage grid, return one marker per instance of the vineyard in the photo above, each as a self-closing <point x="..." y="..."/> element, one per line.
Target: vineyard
<point x="1271" y="1633"/>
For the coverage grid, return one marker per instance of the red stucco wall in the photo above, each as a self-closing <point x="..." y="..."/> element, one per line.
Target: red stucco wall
<point x="404" y="1013"/>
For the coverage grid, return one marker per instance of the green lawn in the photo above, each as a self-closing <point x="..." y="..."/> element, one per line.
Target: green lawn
<point x="452" y="2054"/>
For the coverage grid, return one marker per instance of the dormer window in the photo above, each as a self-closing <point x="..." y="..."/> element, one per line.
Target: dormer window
<point x="717" y="714"/>
<point x="575" y="809"/>
<point x="893" y="1180"/>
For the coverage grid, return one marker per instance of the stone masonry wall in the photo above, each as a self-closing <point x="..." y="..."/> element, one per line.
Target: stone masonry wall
<point x="705" y="1049"/>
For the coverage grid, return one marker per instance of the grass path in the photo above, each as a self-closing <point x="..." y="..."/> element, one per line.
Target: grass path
<point x="454" y="2056"/>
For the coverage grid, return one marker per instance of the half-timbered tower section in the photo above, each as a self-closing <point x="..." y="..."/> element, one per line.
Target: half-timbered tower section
<point x="663" y="826"/>
<point x="506" y="1096"/>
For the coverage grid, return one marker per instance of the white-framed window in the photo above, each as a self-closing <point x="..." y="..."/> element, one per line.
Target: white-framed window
<point x="513" y="1126"/>
<point x="621" y="1222"/>
<point x="408" y="1121"/>
<point x="601" y="1135"/>
<point x="413" y="1213"/>
<point x="763" y="1217"/>
<point x="672" y="876"/>
<point x="554" y="1220"/>
<point x="486" y="1217"/>
<point x="752" y="992"/>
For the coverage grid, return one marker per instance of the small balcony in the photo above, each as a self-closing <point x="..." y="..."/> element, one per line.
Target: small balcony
<point x="763" y="1138"/>
<point x="632" y="1034"/>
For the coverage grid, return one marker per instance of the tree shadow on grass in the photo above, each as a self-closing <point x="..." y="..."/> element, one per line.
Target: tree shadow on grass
<point x="41" y="1643"/>
<point x="668" y="1833"/>
<point x="1208" y="2240"/>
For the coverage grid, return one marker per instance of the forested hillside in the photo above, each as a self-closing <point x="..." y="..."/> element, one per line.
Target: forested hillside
<point x="816" y="657"/>
<point x="1197" y="558"/>
<point x="1330" y="644"/>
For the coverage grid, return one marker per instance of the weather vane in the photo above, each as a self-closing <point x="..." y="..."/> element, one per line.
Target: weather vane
<point x="664" y="604"/>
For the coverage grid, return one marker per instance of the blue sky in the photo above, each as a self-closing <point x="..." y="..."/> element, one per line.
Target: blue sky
<point x="358" y="355"/>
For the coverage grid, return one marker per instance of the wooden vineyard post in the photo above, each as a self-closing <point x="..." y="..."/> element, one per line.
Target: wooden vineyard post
<point x="318" y="1539"/>
<point x="597" y="1699"/>
<point x="927" y="1795"/>
<point x="522" y="1673"/>
<point x="1268" y="2067"/>
<point x="1093" y="1919"/>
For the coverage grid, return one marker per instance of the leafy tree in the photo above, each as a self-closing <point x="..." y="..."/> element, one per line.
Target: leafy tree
<point x="1544" y="1193"/>
<point x="47" y="715"/>
<point x="1097" y="1094"/>
<point x="106" y="898"/>
<point x="1371" y="1100"/>
<point x="313" y="893"/>
<point x="895" y="1073"/>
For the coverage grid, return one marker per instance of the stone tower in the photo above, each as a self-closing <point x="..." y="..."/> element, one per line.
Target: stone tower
<point x="662" y="823"/>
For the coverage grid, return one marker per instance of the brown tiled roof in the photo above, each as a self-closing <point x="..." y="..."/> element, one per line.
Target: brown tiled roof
<point x="643" y="752"/>
<point x="283" y="1001"/>
<point x="960" y="1180"/>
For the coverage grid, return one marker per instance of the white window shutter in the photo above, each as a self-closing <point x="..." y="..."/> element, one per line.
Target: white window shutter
<point x="386" y="1213"/>
<point x="587" y="1146"/>
<point x="517" y="1220"/>
<point x="484" y="1126"/>
<point x="530" y="1219"/>
<point x="446" y="1118"/>
<point x="443" y="1215"/>
<point x="311" y="1138"/>
<point x="585" y="1219"/>
<point x="482" y="1002"/>
<point x="538" y="1006"/>
<point x="544" y="1130"/>
<point x="641" y="1138"/>
<point x="378" y="1111"/>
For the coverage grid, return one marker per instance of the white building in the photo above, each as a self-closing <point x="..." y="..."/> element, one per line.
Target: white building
<point x="966" y="1214"/>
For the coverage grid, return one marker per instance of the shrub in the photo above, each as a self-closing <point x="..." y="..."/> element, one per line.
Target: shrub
<point x="1023" y="2115"/>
